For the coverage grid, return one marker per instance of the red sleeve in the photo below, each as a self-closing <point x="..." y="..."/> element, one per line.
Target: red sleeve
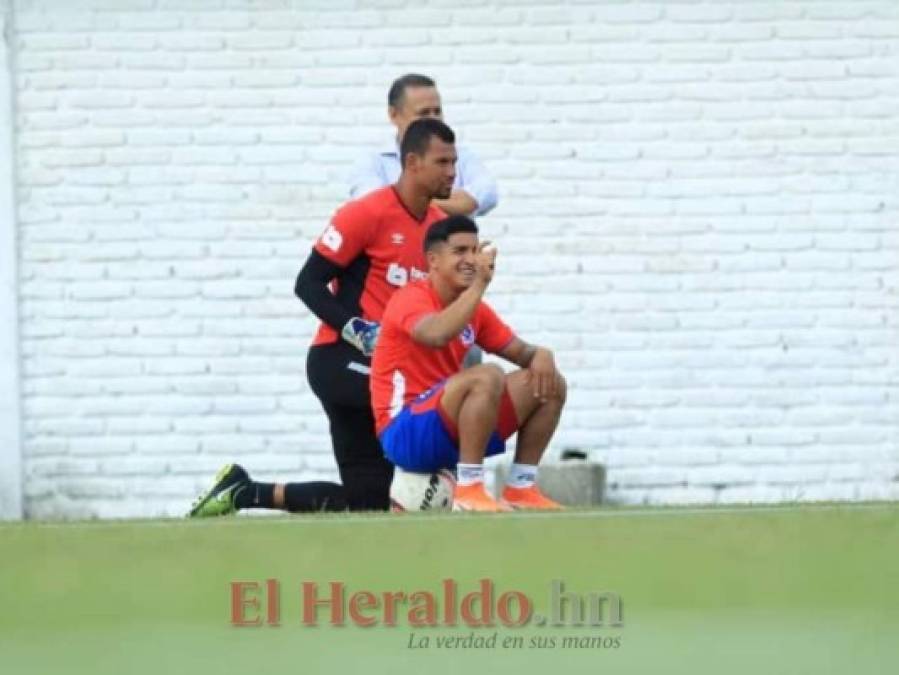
<point x="348" y="234"/>
<point x="407" y="307"/>
<point x="492" y="334"/>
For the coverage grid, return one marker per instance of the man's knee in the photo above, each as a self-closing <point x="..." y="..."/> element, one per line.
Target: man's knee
<point x="487" y="378"/>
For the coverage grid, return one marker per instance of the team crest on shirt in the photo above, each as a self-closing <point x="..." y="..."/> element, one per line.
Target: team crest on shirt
<point x="467" y="336"/>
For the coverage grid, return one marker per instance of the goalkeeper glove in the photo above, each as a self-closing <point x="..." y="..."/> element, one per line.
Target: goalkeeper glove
<point x="361" y="334"/>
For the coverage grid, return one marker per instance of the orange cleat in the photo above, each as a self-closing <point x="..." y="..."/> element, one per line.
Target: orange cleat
<point x="529" y="498"/>
<point x="475" y="498"/>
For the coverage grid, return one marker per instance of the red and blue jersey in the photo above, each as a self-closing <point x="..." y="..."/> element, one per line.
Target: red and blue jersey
<point x="402" y="368"/>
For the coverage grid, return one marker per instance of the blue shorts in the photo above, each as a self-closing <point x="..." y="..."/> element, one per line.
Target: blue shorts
<point x="421" y="439"/>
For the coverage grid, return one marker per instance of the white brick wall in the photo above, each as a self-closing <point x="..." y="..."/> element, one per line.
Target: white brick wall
<point x="10" y="403"/>
<point x="699" y="212"/>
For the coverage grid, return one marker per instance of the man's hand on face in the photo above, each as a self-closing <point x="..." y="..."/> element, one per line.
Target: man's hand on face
<point x="485" y="262"/>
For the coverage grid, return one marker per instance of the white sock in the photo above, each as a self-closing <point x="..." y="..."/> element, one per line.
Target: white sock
<point x="522" y="475"/>
<point x="469" y="474"/>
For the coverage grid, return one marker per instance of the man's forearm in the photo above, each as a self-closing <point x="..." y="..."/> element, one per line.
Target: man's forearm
<point x="438" y="329"/>
<point x="526" y="355"/>
<point x="519" y="352"/>
<point x="459" y="203"/>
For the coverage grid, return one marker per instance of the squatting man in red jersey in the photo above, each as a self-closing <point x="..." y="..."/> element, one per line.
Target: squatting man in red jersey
<point x="429" y="413"/>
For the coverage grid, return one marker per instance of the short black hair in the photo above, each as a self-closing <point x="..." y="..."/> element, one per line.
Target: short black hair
<point x="440" y="231"/>
<point x="398" y="89"/>
<point x="418" y="135"/>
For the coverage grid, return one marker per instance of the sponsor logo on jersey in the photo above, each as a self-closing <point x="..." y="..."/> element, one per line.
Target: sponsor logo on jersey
<point x="398" y="238"/>
<point x="397" y="275"/>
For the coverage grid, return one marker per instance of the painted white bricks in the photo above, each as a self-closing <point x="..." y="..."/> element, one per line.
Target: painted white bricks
<point x="698" y="211"/>
<point x="11" y="464"/>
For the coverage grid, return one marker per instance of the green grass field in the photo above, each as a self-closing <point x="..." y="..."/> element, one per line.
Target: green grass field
<point x="794" y="589"/>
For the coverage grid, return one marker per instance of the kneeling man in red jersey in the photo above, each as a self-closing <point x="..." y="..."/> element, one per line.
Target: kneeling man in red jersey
<point x="429" y="413"/>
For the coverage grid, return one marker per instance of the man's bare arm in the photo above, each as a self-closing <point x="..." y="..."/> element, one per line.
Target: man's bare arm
<point x="519" y="352"/>
<point x="459" y="203"/>
<point x="540" y="364"/>
<point x="436" y="330"/>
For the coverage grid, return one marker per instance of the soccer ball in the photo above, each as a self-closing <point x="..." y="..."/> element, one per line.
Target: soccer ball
<point x="421" y="491"/>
